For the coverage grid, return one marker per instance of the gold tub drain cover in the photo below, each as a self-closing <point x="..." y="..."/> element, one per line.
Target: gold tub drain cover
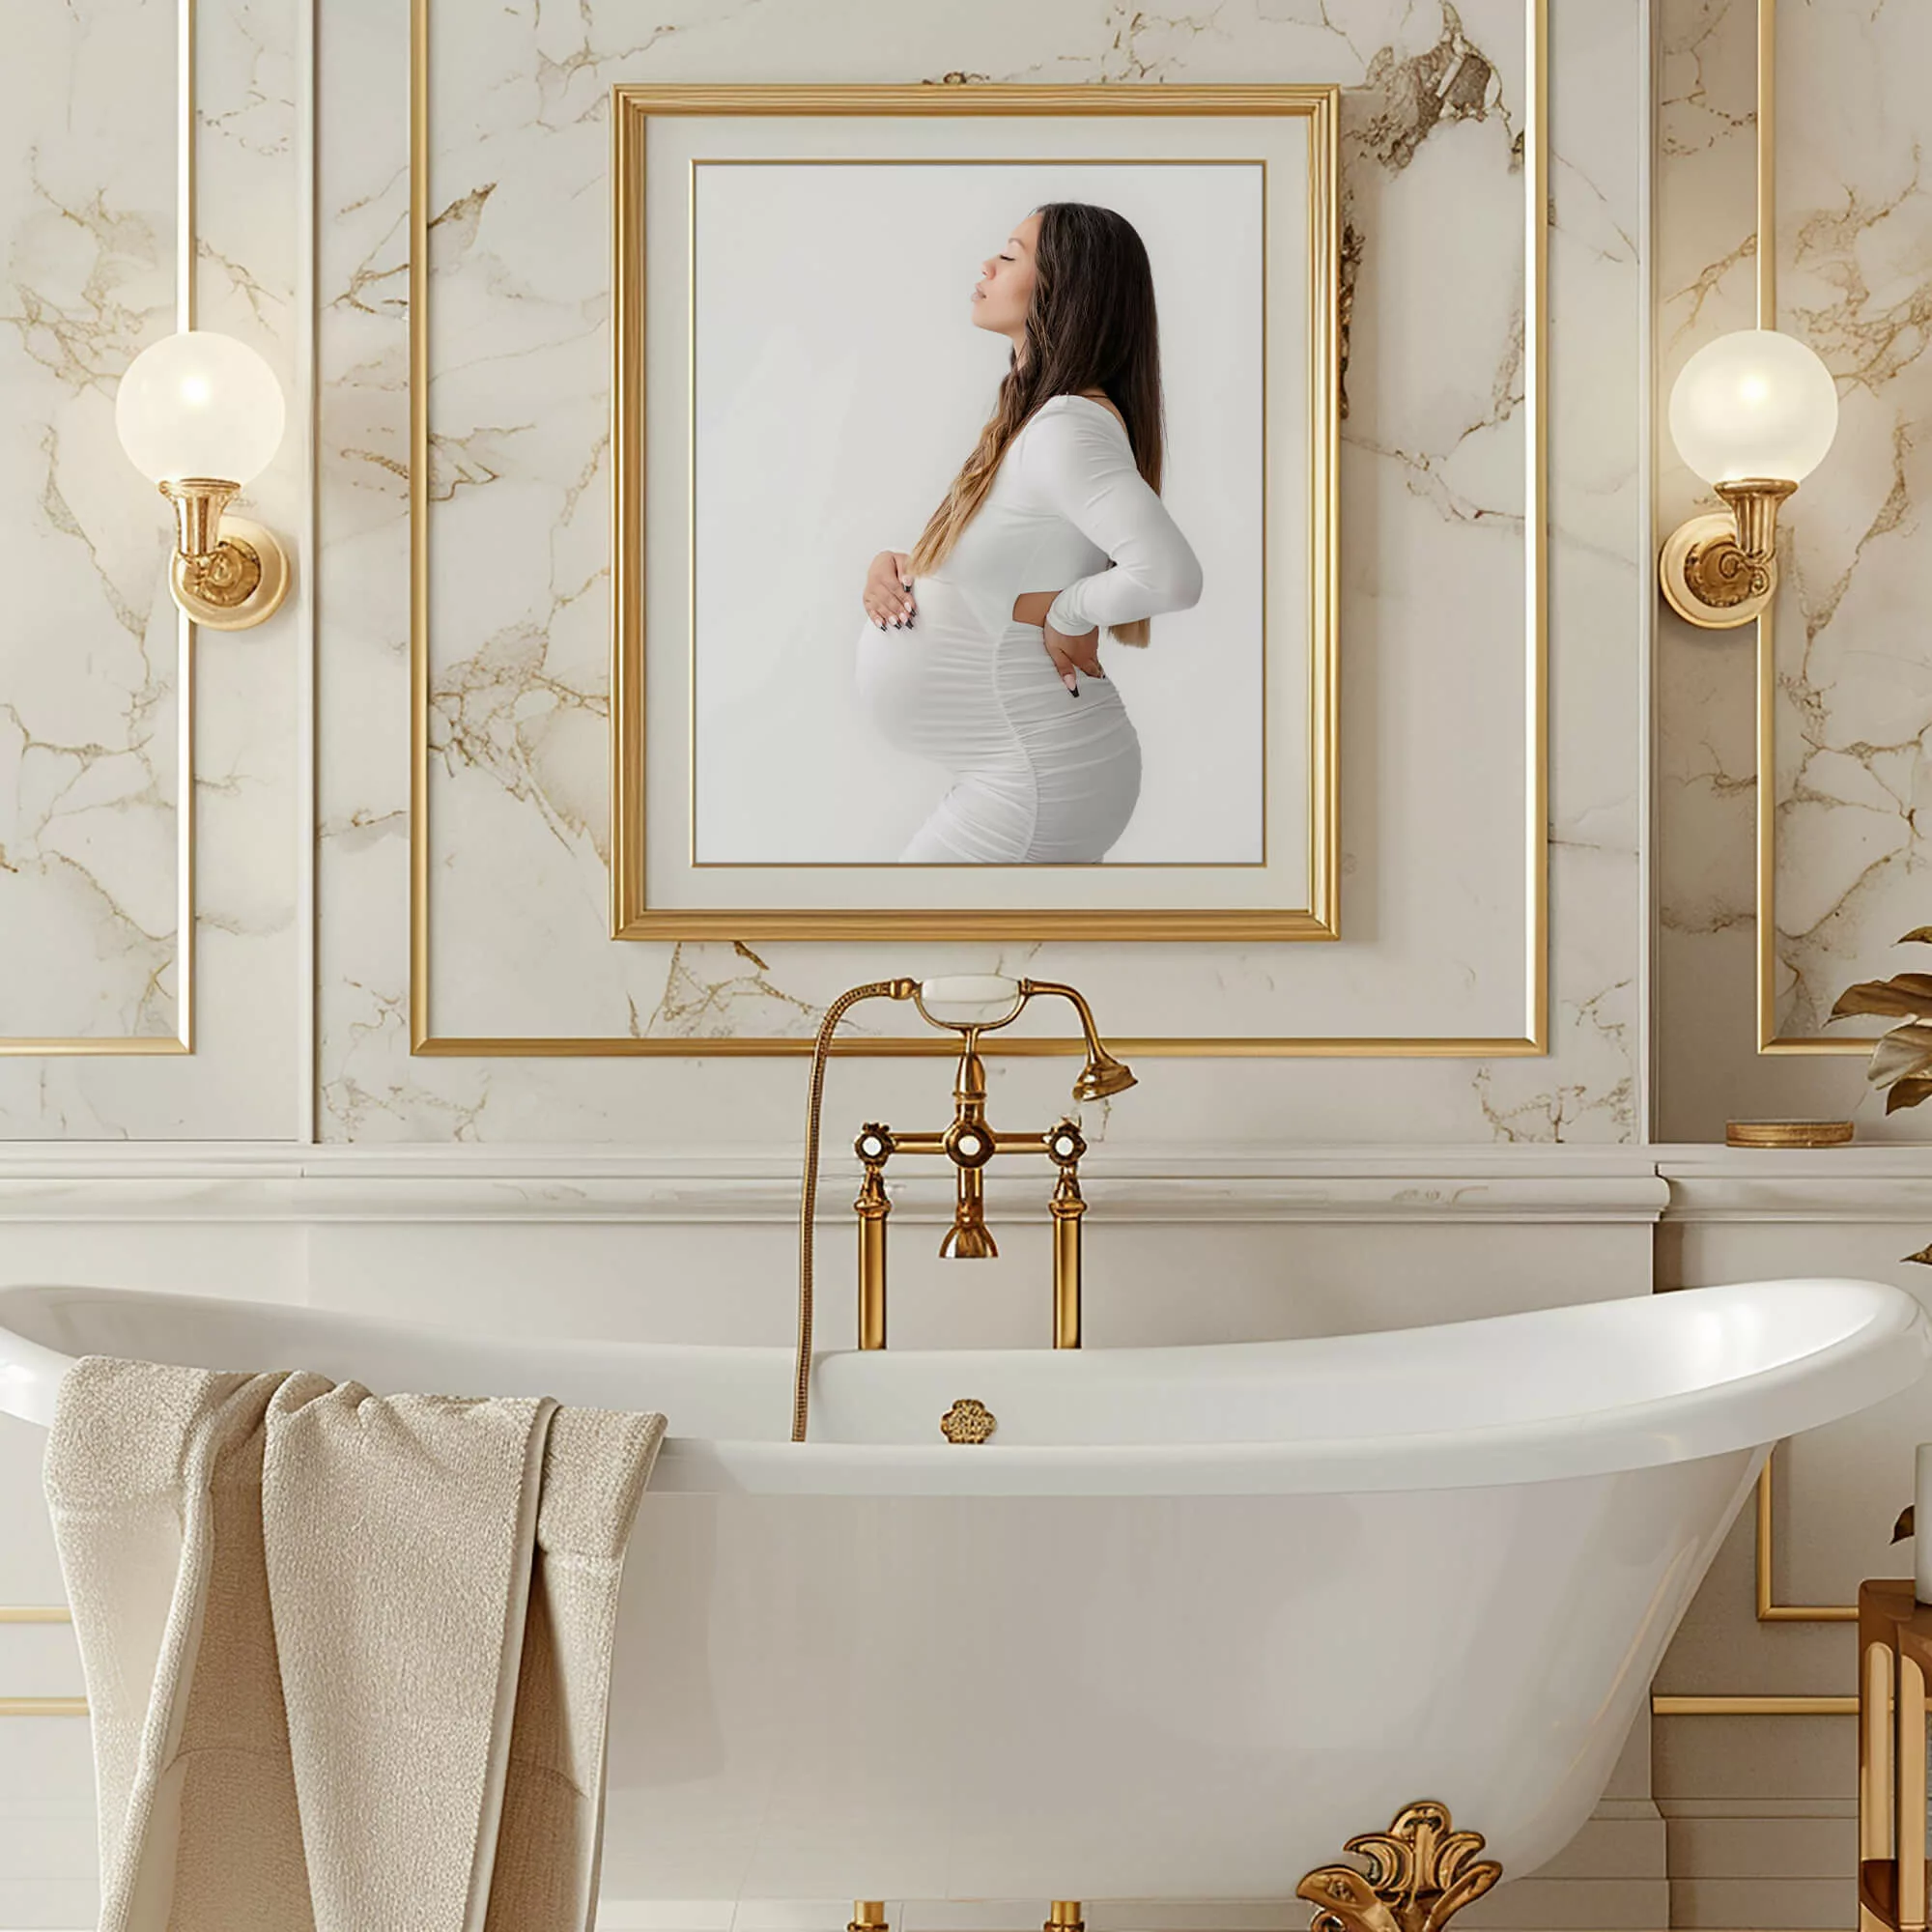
<point x="968" y="1421"/>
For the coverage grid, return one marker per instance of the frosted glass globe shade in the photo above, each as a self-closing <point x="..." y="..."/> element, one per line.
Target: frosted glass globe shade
<point x="1753" y="404"/>
<point x="199" y="404"/>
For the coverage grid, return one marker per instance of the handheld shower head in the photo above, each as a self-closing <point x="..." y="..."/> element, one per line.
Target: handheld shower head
<point x="1103" y="1076"/>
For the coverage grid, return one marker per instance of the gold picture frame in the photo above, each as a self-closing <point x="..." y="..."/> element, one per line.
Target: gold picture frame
<point x="1531" y="1042"/>
<point x="632" y="916"/>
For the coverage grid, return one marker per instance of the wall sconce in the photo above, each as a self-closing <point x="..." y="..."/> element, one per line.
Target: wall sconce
<point x="1752" y="414"/>
<point x="200" y="415"/>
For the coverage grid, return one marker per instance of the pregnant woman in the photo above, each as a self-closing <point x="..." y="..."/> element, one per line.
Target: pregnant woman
<point x="982" y="649"/>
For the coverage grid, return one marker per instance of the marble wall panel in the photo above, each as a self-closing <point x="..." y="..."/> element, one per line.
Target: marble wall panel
<point x="1853" y="243"/>
<point x="1434" y="804"/>
<point x="1853" y="659"/>
<point x="89" y="652"/>
<point x="90" y="778"/>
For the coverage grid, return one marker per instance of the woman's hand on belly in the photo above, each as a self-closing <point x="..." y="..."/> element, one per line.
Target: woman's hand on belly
<point x="888" y="592"/>
<point x="1069" y="654"/>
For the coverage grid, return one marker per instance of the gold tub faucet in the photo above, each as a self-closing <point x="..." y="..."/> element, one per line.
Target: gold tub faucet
<point x="969" y="1143"/>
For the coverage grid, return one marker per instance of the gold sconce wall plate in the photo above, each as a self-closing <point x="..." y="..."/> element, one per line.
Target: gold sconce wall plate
<point x="1709" y="580"/>
<point x="1719" y="571"/>
<point x="239" y="584"/>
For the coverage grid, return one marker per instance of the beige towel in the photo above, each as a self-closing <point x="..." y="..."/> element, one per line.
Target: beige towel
<point x="348" y="1656"/>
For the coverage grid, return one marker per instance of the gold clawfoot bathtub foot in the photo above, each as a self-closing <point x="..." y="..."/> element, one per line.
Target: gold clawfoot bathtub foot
<point x="1422" y="1871"/>
<point x="1063" y="1916"/>
<point x="868" y="1914"/>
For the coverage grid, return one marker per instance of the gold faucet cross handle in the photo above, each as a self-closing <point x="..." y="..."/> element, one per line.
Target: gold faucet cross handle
<point x="969" y="1143"/>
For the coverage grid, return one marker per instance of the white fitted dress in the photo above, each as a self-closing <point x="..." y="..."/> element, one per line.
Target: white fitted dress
<point x="1039" y="776"/>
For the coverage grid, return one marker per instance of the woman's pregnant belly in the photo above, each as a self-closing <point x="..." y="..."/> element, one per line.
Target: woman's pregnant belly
<point x="1041" y="776"/>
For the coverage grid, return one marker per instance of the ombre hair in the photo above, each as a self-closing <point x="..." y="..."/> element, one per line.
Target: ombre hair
<point x="1091" y="325"/>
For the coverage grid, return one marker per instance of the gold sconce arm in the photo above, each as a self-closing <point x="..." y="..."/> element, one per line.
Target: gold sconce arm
<point x="1719" y="571"/>
<point x="226" y="573"/>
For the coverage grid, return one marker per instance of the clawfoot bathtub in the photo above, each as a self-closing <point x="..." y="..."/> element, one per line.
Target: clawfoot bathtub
<point x="1189" y="1620"/>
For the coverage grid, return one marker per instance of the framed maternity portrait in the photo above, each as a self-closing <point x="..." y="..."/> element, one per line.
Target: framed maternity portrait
<point x="975" y="528"/>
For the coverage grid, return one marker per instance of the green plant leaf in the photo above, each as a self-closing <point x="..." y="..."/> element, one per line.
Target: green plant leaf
<point x="1907" y="1094"/>
<point x="1906" y="996"/>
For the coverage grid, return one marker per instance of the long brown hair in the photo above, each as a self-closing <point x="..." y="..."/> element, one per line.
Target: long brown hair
<point x="1091" y="325"/>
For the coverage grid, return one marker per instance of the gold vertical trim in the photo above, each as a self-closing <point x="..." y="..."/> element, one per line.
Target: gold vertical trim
<point x="1875" y="1691"/>
<point x="187" y="309"/>
<point x="182" y="1040"/>
<point x="628" y="180"/>
<point x="1908" y="1796"/>
<point x="1536" y="534"/>
<point x="1324" y="554"/>
<point x="419" y="525"/>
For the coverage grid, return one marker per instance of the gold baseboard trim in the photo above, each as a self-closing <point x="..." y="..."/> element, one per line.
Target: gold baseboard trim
<point x="43" y="1707"/>
<point x="34" y="1613"/>
<point x="1754" y="1706"/>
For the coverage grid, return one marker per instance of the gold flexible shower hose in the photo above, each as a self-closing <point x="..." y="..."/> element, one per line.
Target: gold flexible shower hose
<point x="875" y="989"/>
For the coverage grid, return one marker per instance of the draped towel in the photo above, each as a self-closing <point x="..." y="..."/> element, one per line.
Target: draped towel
<point x="347" y="1656"/>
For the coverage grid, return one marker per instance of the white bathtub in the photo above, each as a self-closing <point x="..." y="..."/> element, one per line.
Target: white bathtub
<point x="1194" y="1617"/>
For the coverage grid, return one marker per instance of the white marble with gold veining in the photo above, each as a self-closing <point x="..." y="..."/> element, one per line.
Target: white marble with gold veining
<point x="90" y="780"/>
<point x="1855" y="656"/>
<point x="1853" y="670"/>
<point x="1434" y="759"/>
<point x="89" y="661"/>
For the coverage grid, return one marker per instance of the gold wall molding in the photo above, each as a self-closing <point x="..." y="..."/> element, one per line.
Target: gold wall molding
<point x="1730" y="1706"/>
<point x="181" y="1039"/>
<point x="40" y="1707"/>
<point x="1770" y="1611"/>
<point x="1532" y="1042"/>
<point x="1769" y="1039"/>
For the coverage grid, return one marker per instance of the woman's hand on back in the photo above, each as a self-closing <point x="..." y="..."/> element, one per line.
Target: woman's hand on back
<point x="1070" y="654"/>
<point x="888" y="592"/>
